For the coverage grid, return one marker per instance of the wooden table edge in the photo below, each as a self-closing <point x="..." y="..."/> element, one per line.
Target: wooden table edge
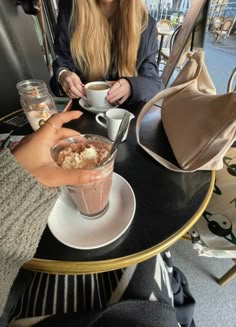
<point x="90" y="267"/>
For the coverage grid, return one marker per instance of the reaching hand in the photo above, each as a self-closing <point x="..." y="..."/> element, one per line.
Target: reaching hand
<point x="72" y="85"/>
<point x="34" y="153"/>
<point x="119" y="91"/>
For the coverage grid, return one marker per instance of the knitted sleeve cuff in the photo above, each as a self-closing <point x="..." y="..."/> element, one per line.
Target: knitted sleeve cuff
<point x="61" y="71"/>
<point x="25" y="206"/>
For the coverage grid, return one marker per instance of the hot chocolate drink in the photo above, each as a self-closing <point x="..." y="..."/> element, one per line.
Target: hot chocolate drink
<point x="98" y="87"/>
<point x="88" y="153"/>
<point x="96" y="93"/>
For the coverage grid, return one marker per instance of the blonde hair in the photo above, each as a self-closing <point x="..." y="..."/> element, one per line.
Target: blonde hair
<point x="97" y="44"/>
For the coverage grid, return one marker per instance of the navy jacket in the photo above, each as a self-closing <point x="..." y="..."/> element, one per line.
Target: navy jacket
<point x="144" y="86"/>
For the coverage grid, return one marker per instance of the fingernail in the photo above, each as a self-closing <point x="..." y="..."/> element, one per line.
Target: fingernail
<point x="79" y="113"/>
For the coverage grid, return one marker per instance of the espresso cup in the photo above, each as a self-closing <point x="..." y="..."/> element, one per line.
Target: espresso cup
<point x="96" y="93"/>
<point x="111" y="120"/>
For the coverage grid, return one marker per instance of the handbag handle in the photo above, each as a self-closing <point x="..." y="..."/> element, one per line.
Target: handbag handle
<point x="230" y="82"/>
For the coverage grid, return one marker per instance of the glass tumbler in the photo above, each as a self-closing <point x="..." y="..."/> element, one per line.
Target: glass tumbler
<point x="36" y="101"/>
<point x="92" y="199"/>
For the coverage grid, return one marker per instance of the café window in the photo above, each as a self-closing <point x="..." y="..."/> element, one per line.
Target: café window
<point x="215" y="31"/>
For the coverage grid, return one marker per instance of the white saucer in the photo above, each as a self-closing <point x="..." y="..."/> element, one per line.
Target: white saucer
<point x="68" y="227"/>
<point x="84" y="104"/>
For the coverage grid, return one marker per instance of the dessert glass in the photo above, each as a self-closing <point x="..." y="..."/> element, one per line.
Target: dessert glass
<point x="92" y="199"/>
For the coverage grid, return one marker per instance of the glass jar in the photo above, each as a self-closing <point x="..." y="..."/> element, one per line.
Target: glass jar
<point x="36" y="101"/>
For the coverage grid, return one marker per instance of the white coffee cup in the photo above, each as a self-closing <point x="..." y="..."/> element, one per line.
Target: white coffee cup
<point x="111" y="120"/>
<point x="96" y="93"/>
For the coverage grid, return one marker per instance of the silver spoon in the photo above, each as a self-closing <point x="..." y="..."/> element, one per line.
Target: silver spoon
<point x="119" y="136"/>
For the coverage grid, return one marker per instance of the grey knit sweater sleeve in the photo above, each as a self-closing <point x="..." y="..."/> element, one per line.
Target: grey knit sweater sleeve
<point x="25" y="205"/>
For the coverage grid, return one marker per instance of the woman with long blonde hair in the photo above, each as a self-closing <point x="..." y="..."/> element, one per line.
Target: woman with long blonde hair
<point x="113" y="40"/>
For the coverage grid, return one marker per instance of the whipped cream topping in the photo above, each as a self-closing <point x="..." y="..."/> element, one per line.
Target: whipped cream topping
<point x="78" y="155"/>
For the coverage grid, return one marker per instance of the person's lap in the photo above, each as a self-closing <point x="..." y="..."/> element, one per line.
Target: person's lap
<point x="52" y="294"/>
<point x="57" y="294"/>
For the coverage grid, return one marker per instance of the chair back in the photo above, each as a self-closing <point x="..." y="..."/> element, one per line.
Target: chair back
<point x="214" y="235"/>
<point x="217" y="22"/>
<point x="164" y="25"/>
<point x="227" y="24"/>
<point x="230" y="82"/>
<point x="173" y="37"/>
<point x="181" y="19"/>
<point x="186" y="48"/>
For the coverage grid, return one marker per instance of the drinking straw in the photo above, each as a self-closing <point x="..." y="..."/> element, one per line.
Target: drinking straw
<point x="68" y="106"/>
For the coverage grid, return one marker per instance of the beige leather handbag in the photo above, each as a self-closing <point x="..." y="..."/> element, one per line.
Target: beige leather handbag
<point x="200" y="125"/>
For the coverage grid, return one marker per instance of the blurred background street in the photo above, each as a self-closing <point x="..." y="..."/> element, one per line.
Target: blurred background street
<point x="220" y="60"/>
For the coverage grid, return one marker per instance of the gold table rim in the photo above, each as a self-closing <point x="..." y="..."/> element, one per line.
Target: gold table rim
<point x="11" y="114"/>
<point x="90" y="267"/>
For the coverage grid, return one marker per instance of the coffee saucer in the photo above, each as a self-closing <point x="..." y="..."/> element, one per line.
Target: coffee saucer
<point x="84" y="104"/>
<point x="71" y="229"/>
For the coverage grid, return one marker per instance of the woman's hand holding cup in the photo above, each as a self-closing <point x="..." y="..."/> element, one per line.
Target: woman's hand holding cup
<point x="119" y="92"/>
<point x="71" y="84"/>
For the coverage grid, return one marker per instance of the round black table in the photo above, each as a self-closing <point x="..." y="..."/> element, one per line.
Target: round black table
<point x="168" y="204"/>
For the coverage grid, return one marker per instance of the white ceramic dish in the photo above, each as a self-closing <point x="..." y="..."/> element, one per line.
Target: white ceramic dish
<point x="83" y="103"/>
<point x="71" y="229"/>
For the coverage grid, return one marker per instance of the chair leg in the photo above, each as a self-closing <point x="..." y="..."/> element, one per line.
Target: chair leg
<point x="217" y="39"/>
<point x="187" y="237"/>
<point x="228" y="276"/>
